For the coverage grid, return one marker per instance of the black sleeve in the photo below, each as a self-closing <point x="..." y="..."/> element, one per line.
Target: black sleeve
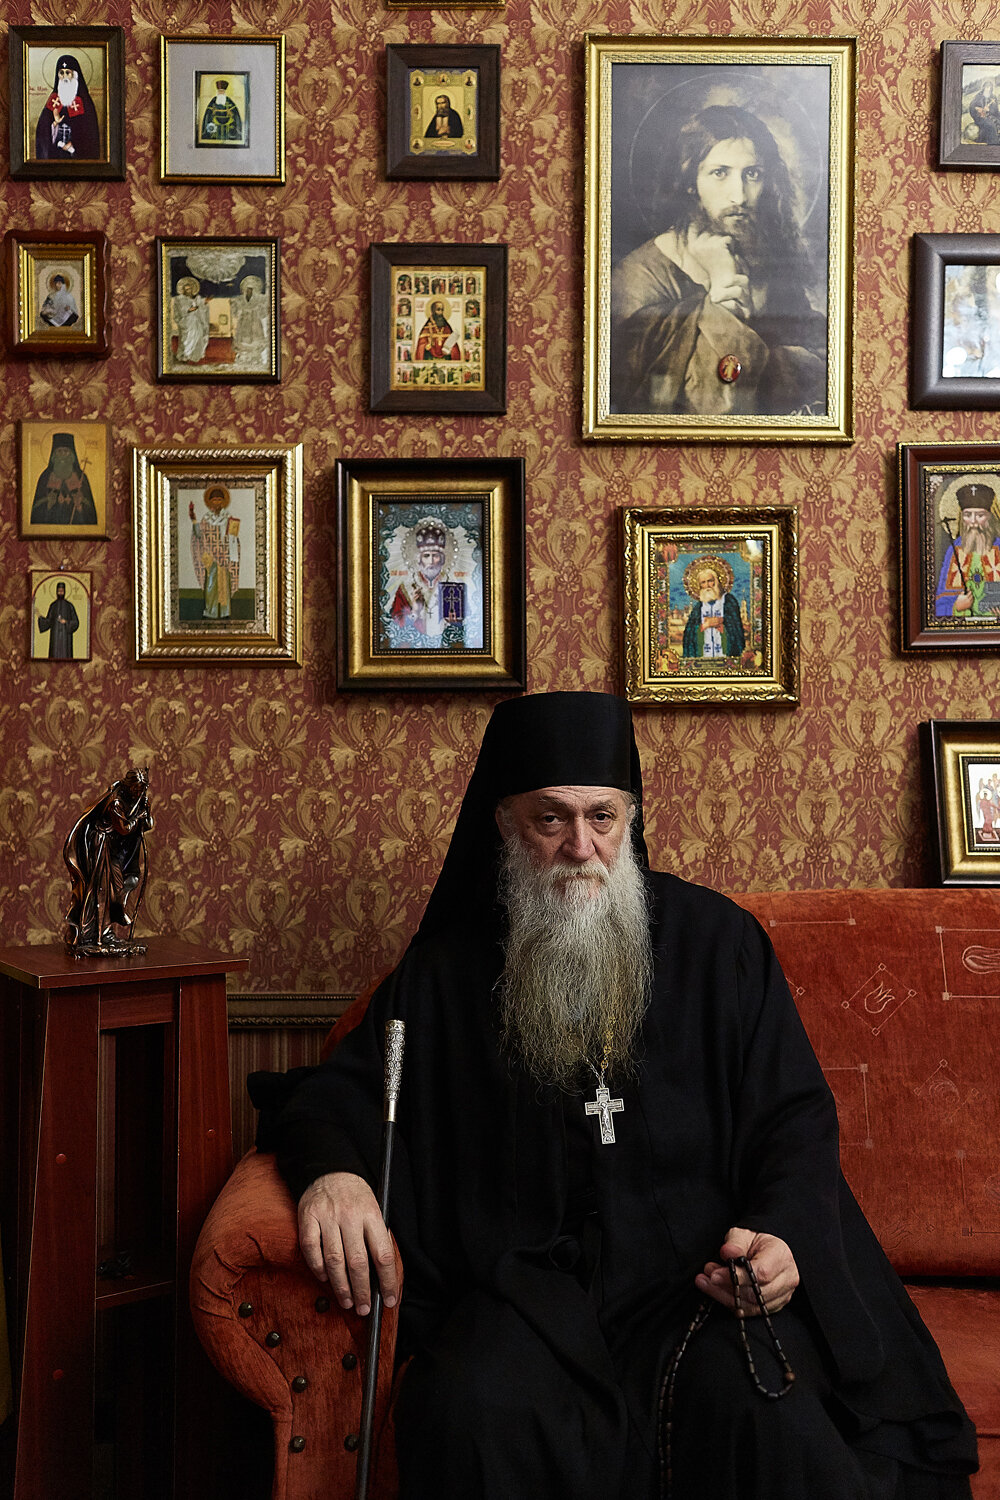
<point x="329" y="1118"/>
<point x="894" y="1394"/>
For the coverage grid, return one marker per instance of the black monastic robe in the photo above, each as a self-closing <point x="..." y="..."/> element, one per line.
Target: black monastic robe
<point x="728" y="1122"/>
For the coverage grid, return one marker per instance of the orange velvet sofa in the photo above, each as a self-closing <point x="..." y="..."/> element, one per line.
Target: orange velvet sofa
<point x="900" y="993"/>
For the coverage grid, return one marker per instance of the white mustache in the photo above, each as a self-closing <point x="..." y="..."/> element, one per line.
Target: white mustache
<point x="559" y="874"/>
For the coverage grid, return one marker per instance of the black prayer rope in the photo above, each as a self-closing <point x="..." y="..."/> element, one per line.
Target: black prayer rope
<point x="665" y="1409"/>
<point x="742" y="1262"/>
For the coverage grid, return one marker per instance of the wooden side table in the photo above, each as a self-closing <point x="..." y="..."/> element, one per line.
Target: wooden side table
<point x="114" y="1114"/>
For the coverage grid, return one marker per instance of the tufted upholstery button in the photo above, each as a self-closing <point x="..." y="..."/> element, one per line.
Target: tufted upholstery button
<point x="273" y="1340"/>
<point x="322" y="1304"/>
<point x="349" y="1361"/>
<point x="297" y="1444"/>
<point x="299" y="1383"/>
<point x="352" y="1442"/>
<point x="245" y="1309"/>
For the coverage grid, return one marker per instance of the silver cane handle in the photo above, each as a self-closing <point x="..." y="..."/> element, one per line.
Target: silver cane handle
<point x="395" y="1036"/>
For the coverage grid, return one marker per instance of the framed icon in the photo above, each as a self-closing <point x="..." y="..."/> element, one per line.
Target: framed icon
<point x="710" y="604"/>
<point x="439" y="328"/>
<point x="718" y="255"/>
<point x="961" y="760"/>
<point x="67" y="101"/>
<point x="218" y="542"/>
<point x="969" y="135"/>
<point x="222" y="109"/>
<point x="64" y="478"/>
<point x="442" y="112"/>
<point x="218" y="310"/>
<point x="432" y="573"/>
<point x="956" y="305"/>
<point x="949" y="511"/>
<point x="59" y="615"/>
<point x="57" y="285"/>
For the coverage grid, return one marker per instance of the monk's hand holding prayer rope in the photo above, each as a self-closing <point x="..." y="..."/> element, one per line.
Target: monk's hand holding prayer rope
<point x="340" y="1226"/>
<point x="773" y="1262"/>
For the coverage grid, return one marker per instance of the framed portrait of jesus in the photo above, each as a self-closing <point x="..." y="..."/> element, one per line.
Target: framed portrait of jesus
<point x="718" y="257"/>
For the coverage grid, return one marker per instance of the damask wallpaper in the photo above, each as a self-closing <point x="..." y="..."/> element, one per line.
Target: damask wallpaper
<point x="304" y="828"/>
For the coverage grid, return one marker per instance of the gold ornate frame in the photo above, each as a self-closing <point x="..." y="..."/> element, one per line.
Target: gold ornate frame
<point x="763" y="541"/>
<point x="951" y="748"/>
<point x="723" y="59"/>
<point x="267" y="629"/>
<point x="368" y="657"/>
<point x="263" y="59"/>
<point x="83" y="259"/>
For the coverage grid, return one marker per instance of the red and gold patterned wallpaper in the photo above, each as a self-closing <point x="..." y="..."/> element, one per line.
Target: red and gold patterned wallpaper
<point x="304" y="828"/>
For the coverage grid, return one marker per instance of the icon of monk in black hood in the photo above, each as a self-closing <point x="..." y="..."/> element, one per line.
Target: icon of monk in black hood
<point x="67" y="127"/>
<point x="63" y="496"/>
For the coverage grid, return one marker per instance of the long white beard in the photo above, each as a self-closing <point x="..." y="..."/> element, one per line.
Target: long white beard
<point x="67" y="89"/>
<point x="578" y="964"/>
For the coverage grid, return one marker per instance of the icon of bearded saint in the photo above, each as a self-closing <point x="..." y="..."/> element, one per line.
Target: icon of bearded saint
<point x="63" y="496"/>
<point x="67" y="127"/>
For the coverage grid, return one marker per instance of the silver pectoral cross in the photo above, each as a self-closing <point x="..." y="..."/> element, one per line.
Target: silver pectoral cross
<point x="604" y="1107"/>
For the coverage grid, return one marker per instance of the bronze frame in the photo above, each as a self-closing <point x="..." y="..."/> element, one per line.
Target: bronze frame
<point x="400" y="161"/>
<point x="492" y="399"/>
<point x="362" y="662"/>
<point x="718" y="528"/>
<point x="948" y="748"/>
<point x="112" y="39"/>
<point x="91" y="252"/>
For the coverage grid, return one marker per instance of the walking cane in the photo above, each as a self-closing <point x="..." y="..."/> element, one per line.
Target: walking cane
<point x="394" y="1038"/>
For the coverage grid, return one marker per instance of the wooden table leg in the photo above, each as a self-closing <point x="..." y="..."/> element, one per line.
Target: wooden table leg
<point x="56" y="1408"/>
<point x="204" y="1162"/>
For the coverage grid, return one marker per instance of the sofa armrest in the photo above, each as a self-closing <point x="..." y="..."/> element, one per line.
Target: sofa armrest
<point x="274" y="1332"/>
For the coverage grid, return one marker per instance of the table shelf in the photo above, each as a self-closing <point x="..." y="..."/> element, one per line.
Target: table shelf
<point x="115" y="1118"/>
<point x="139" y="1287"/>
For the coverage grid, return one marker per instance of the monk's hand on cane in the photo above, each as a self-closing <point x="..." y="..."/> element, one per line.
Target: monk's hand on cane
<point x="773" y="1263"/>
<point x="340" y="1226"/>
